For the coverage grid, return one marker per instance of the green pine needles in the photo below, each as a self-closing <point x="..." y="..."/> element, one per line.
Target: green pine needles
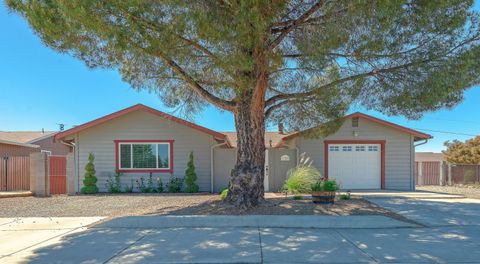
<point x="190" y="176"/>
<point x="90" y="180"/>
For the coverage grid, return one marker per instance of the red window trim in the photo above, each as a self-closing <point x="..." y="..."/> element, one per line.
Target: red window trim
<point x="382" y="155"/>
<point x="117" y="160"/>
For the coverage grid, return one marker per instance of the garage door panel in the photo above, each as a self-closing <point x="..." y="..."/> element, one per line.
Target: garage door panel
<point x="355" y="166"/>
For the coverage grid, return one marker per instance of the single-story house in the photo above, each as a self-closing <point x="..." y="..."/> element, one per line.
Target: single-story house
<point x="15" y="150"/>
<point x="365" y="153"/>
<point x="22" y="143"/>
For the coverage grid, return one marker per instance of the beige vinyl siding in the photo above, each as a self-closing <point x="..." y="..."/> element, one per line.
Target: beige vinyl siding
<point x="398" y="147"/>
<point x="141" y="125"/>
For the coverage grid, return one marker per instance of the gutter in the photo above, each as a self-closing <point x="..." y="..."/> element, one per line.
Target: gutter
<point x="211" y="162"/>
<point x="421" y="143"/>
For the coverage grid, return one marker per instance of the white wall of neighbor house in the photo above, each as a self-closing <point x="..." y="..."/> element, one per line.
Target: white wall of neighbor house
<point x="398" y="150"/>
<point x="141" y="125"/>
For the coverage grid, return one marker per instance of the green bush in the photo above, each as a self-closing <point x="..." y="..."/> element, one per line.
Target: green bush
<point x="129" y="188"/>
<point x="90" y="180"/>
<point x="325" y="186"/>
<point x="301" y="178"/>
<point x="224" y="193"/>
<point x="330" y="186"/>
<point x="190" y="176"/>
<point x="113" y="183"/>
<point x="146" y="186"/>
<point x="159" y="188"/>
<point x="345" y="196"/>
<point x="317" y="187"/>
<point x="175" y="184"/>
<point x="297" y="197"/>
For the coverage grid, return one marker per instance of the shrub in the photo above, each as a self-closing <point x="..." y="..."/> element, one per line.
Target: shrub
<point x="159" y="188"/>
<point x="150" y="185"/>
<point x="175" y="184"/>
<point x="330" y="186"/>
<point x="129" y="188"/>
<point x="317" y="187"/>
<point x="297" y="197"/>
<point x="301" y="178"/>
<point x="325" y="186"/>
<point x="190" y="176"/>
<point x="345" y="196"/>
<point x="113" y="183"/>
<point x="224" y="194"/>
<point x="90" y="180"/>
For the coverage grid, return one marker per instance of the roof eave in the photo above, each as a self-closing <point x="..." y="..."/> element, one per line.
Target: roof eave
<point x="8" y="142"/>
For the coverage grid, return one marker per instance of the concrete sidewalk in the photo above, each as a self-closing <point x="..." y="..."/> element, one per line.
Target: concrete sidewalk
<point x="175" y="240"/>
<point x="262" y="221"/>
<point x="260" y="245"/>
<point x="21" y="237"/>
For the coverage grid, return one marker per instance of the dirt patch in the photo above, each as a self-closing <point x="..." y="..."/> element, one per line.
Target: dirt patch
<point x="177" y="204"/>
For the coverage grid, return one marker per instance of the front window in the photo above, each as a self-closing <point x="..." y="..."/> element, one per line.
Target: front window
<point x="145" y="156"/>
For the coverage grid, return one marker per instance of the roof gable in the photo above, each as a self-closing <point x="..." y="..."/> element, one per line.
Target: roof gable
<point x="418" y="135"/>
<point x="138" y="107"/>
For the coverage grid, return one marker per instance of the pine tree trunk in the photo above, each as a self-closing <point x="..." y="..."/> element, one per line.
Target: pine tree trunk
<point x="246" y="180"/>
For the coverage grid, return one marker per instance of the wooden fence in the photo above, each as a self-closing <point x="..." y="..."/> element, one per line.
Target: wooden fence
<point x="14" y="173"/>
<point x="429" y="173"/>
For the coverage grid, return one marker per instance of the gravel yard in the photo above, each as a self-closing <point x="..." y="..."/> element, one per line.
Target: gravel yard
<point x="471" y="191"/>
<point x="174" y="204"/>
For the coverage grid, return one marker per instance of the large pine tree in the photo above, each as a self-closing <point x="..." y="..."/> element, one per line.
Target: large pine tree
<point x="303" y="62"/>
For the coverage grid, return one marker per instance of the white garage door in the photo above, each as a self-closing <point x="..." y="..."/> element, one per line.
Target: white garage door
<point x="355" y="166"/>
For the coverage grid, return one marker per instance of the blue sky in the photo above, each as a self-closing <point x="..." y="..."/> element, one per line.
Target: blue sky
<point x="40" y="88"/>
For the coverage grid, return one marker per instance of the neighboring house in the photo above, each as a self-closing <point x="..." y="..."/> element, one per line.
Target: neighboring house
<point x="428" y="157"/>
<point x="22" y="143"/>
<point x="365" y="153"/>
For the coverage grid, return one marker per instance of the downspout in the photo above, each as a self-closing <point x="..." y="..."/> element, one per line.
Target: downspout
<point x="412" y="182"/>
<point x="211" y="163"/>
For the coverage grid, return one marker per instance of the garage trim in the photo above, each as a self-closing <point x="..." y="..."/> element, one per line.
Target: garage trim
<point x="382" y="155"/>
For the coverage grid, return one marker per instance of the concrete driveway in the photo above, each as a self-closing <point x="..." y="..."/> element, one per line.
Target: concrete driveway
<point x="430" y="209"/>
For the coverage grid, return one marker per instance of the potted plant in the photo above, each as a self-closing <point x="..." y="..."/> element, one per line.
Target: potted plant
<point x="323" y="192"/>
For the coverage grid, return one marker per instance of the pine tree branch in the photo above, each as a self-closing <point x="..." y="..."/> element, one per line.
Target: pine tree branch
<point x="296" y="23"/>
<point x="194" y="85"/>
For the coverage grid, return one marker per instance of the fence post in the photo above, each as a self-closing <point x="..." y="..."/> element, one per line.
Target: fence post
<point x="39" y="174"/>
<point x="420" y="173"/>
<point x="71" y="180"/>
<point x="440" y="164"/>
<point x="449" y="174"/>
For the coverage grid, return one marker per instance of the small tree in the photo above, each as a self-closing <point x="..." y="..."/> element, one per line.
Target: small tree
<point x="90" y="180"/>
<point x="190" y="176"/>
<point x="459" y="152"/>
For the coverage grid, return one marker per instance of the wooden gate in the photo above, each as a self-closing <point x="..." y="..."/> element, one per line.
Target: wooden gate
<point x="15" y="173"/>
<point x="58" y="174"/>
<point x="429" y="173"/>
